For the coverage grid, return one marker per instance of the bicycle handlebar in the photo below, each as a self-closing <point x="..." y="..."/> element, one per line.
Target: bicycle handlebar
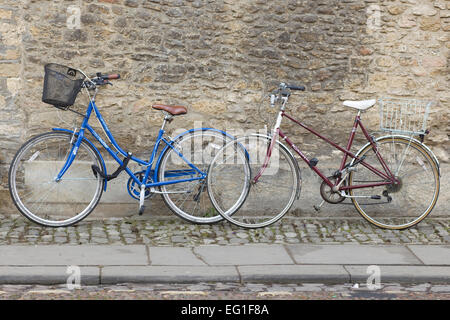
<point x="282" y="93"/>
<point x="100" y="79"/>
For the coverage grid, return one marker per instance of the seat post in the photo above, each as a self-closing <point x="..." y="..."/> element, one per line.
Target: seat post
<point x="167" y="117"/>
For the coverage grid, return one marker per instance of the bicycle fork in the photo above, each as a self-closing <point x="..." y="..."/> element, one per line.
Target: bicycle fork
<point x="72" y="154"/>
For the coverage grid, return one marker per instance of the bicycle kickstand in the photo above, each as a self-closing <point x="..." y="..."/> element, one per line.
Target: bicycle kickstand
<point x="141" y="200"/>
<point x="317" y="207"/>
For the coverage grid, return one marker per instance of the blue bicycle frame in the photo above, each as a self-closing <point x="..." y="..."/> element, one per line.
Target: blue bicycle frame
<point x="149" y="171"/>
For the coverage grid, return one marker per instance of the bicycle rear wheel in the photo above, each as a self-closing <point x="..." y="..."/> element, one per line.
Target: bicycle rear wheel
<point x="36" y="193"/>
<point x="232" y="189"/>
<point x="189" y="200"/>
<point x="406" y="204"/>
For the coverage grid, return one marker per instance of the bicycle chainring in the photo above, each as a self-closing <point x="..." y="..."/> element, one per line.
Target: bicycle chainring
<point x="329" y="195"/>
<point x="133" y="189"/>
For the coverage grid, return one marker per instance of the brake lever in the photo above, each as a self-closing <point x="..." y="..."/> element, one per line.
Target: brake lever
<point x="102" y="82"/>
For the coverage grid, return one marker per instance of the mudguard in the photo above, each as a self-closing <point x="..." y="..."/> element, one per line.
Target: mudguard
<point x="435" y="159"/>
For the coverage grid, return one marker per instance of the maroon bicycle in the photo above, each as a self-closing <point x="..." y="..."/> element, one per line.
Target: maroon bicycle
<point x="393" y="180"/>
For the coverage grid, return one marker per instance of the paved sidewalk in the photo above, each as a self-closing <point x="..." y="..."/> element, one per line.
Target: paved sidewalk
<point x="169" y="250"/>
<point x="272" y="263"/>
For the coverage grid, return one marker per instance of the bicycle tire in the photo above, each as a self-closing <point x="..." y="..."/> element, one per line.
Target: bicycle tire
<point x="379" y="215"/>
<point x="244" y="214"/>
<point x="19" y="201"/>
<point x="207" y="215"/>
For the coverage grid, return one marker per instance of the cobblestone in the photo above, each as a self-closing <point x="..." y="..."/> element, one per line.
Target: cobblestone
<point x="233" y="291"/>
<point x="175" y="232"/>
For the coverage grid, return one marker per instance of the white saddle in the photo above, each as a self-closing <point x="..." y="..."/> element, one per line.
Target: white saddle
<point x="360" y="105"/>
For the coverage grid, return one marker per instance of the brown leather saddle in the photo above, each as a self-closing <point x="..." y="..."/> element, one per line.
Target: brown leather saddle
<point x="173" y="110"/>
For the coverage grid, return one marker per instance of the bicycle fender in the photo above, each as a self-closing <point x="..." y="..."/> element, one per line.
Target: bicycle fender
<point x="426" y="148"/>
<point x="92" y="145"/>
<point x="435" y="159"/>
<point x="179" y="136"/>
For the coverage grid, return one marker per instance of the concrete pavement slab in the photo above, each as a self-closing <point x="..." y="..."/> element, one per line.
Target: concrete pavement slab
<point x="81" y="255"/>
<point x="402" y="274"/>
<point x="294" y="273"/>
<point x="176" y="256"/>
<point x="351" y="254"/>
<point x="164" y="274"/>
<point x="47" y="275"/>
<point x="332" y="263"/>
<point x="432" y="254"/>
<point x="243" y="255"/>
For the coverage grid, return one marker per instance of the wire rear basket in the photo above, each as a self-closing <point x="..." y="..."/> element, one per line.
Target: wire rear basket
<point x="61" y="85"/>
<point x="404" y="116"/>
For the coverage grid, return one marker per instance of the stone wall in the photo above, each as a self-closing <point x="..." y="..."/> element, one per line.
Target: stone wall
<point x="13" y="117"/>
<point x="219" y="58"/>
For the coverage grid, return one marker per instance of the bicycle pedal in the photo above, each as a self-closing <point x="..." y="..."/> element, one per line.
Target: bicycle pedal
<point x="375" y="197"/>
<point x="313" y="162"/>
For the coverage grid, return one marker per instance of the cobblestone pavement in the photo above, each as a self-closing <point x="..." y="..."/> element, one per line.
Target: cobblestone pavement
<point x="176" y="232"/>
<point x="232" y="291"/>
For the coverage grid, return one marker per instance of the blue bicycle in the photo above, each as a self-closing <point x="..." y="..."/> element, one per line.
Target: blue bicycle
<point x="57" y="178"/>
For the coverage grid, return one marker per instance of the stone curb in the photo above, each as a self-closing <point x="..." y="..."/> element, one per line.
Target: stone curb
<point x="46" y="275"/>
<point x="327" y="274"/>
<point x="300" y="263"/>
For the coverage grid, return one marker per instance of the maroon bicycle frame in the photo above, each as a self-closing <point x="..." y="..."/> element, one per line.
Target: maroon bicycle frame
<point x="387" y="175"/>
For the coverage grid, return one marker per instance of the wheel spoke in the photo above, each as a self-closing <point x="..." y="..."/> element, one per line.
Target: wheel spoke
<point x="196" y="148"/>
<point x="412" y="199"/>
<point x="262" y="203"/>
<point x="38" y="196"/>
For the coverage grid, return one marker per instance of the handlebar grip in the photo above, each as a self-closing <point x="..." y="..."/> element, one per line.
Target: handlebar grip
<point x="293" y="87"/>
<point x="112" y="76"/>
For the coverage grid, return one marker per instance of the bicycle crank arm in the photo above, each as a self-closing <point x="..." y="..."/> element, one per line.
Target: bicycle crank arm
<point x="152" y="190"/>
<point x="141" y="200"/>
<point x="374" y="197"/>
<point x="317" y="207"/>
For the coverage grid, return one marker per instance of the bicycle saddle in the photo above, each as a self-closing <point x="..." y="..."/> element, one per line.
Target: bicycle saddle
<point x="360" y="105"/>
<point x="173" y="110"/>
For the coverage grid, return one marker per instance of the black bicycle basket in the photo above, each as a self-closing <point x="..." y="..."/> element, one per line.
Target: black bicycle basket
<point x="61" y="85"/>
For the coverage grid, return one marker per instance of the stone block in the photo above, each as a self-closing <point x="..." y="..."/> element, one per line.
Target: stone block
<point x="430" y="23"/>
<point x="5" y="14"/>
<point x="9" y="69"/>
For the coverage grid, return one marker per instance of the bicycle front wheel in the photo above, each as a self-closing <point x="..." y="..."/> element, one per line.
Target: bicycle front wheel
<point x="403" y="205"/>
<point x="36" y="193"/>
<point x="243" y="201"/>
